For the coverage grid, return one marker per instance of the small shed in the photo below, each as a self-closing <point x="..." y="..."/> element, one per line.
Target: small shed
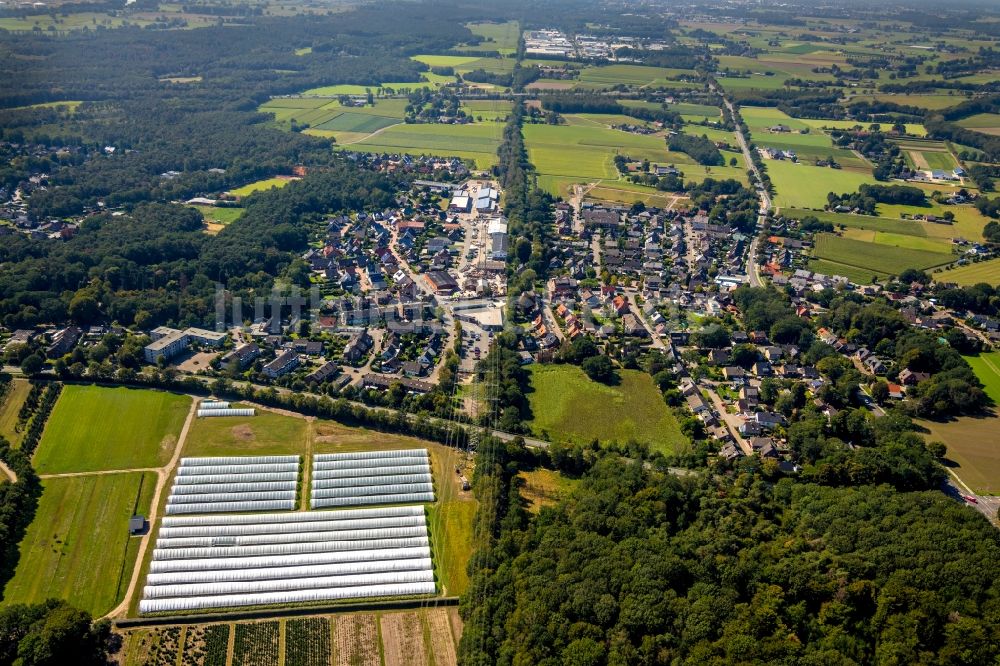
<point x="137" y="525"/>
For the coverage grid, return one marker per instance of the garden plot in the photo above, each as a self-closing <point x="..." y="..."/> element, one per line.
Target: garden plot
<point x="227" y="561"/>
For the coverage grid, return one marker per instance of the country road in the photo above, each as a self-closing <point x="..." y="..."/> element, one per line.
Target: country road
<point x="753" y="271"/>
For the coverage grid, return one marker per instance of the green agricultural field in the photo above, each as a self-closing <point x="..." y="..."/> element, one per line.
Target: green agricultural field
<point x="852" y="273"/>
<point x="568" y="406"/>
<point x="356" y="122"/>
<point x="972" y="447"/>
<point x="932" y="102"/>
<point x="95" y="428"/>
<point x="987" y="368"/>
<point x="806" y="186"/>
<point x="488" y="110"/>
<point x="9" y="408"/>
<point x="90" y="20"/>
<point x="910" y="241"/>
<point x="266" y="434"/>
<point x="260" y="185"/>
<point x="476" y="142"/>
<point x="606" y="76"/>
<point x="501" y="37"/>
<point x="444" y="60"/>
<point x="77" y="548"/>
<point x="983" y="271"/>
<point x="915" y="129"/>
<point x="988" y="123"/>
<point x="875" y="257"/>
<point x="219" y="215"/>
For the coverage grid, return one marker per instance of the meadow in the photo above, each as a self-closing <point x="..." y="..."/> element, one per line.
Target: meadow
<point x="606" y="76"/>
<point x="9" y="408"/>
<point x="568" y="406"/>
<point x="501" y="37"/>
<point x="806" y="186"/>
<point x="931" y="101"/>
<point x="476" y="142"/>
<point x="983" y="271"/>
<point x="265" y="434"/>
<point x="78" y="548"/>
<point x="911" y="241"/>
<point x="218" y="217"/>
<point x="93" y="428"/>
<point x="265" y="184"/>
<point x="544" y="487"/>
<point x="987" y="123"/>
<point x="875" y="257"/>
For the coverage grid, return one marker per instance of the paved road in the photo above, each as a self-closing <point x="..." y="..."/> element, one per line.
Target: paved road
<point x="657" y="341"/>
<point x="765" y="201"/>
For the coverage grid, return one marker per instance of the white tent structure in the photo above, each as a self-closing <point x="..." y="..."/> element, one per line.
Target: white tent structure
<point x="224" y="561"/>
<point x="371" y="477"/>
<point x="234" y="484"/>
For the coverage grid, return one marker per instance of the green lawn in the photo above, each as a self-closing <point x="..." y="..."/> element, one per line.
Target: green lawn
<point x="16" y="394"/>
<point x="601" y="76"/>
<point x="875" y="256"/>
<point x="987" y="369"/>
<point x="805" y="186"/>
<point x="567" y="406"/>
<point x="983" y="271"/>
<point x="444" y="60"/>
<point x="95" y="428"/>
<point x="981" y="121"/>
<point x="77" y="548"/>
<point x="265" y="184"/>
<point x="266" y="434"/>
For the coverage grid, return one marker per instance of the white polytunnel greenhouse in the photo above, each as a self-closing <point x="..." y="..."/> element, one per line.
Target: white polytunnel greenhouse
<point x="393" y="470"/>
<point x="220" y="561"/>
<point x="345" y="548"/>
<point x="175" y="508"/>
<point x="304" y="516"/>
<point x="238" y="460"/>
<point x="285" y="597"/>
<point x="371" y="480"/>
<point x="290" y="572"/>
<point x="367" y="455"/>
<point x="213" y="404"/>
<point x="234" y="484"/>
<point x="369" y="558"/>
<point x="371" y="477"/>
<point x="330" y="502"/>
<point x="202" y="413"/>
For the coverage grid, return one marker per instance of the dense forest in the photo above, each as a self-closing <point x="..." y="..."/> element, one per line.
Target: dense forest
<point x="641" y="567"/>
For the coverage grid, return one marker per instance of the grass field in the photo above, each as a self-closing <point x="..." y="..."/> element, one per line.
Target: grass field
<point x="77" y="548"/>
<point x="932" y="102"/>
<point x="260" y="185"/>
<point x="568" y="406"/>
<point x="94" y="428"/>
<point x="265" y="434"/>
<point x="216" y="216"/>
<point x="988" y="123"/>
<point x="805" y="186"/>
<point x="973" y="447"/>
<point x="875" y="257"/>
<point x="16" y="394"/>
<point x="445" y="60"/>
<point x="910" y="241"/>
<point x="606" y="76"/>
<point x="852" y="273"/>
<point x="544" y="487"/>
<point x="477" y="142"/>
<point x="499" y="36"/>
<point x="983" y="271"/>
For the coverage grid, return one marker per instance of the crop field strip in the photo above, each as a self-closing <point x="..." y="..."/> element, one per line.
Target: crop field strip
<point x="234" y="484"/>
<point x="227" y="561"/>
<point x="371" y="477"/>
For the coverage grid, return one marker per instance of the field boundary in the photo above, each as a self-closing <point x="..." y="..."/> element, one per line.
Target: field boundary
<point x="261" y="614"/>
